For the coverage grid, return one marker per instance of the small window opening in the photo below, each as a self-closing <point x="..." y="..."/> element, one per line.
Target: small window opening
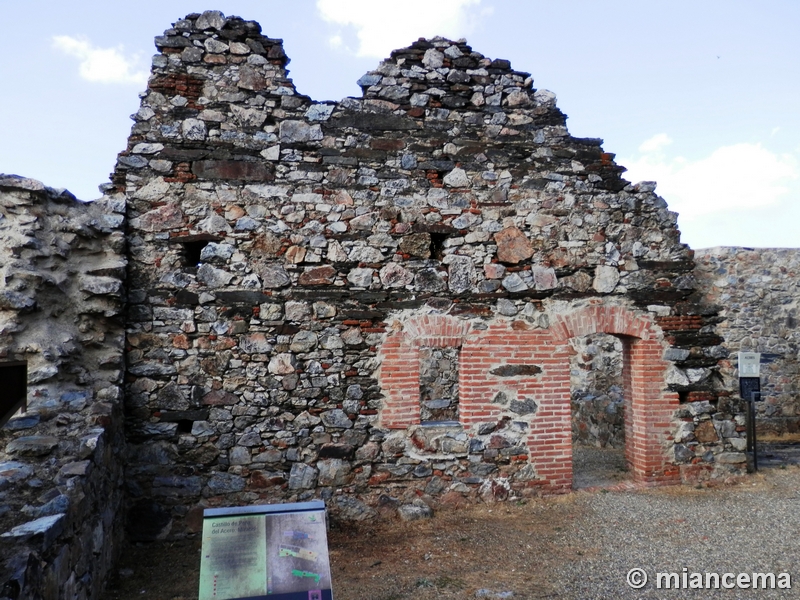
<point x="192" y="252"/>
<point x="14" y="386"/>
<point x="438" y="385"/>
<point x="185" y="426"/>
<point x="192" y="247"/>
<point x="437" y="244"/>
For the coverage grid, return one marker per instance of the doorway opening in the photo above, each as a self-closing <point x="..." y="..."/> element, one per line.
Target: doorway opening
<point x="598" y="409"/>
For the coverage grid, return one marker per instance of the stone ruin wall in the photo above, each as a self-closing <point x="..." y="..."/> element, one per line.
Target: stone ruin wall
<point x="294" y="265"/>
<point x="758" y="291"/>
<point x="62" y="265"/>
<point x="306" y="281"/>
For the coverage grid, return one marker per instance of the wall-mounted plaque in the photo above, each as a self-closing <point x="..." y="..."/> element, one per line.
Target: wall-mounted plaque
<point x="275" y="552"/>
<point x="749" y="364"/>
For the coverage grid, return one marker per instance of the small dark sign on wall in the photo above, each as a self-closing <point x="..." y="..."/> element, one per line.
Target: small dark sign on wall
<point x="271" y="552"/>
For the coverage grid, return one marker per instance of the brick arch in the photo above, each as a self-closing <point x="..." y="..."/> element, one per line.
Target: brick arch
<point x="615" y="320"/>
<point x="437" y="330"/>
<point x="649" y="405"/>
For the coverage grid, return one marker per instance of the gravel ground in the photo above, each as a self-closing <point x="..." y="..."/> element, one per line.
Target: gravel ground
<point x="751" y="527"/>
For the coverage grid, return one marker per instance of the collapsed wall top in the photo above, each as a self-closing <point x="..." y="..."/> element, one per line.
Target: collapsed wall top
<point x="440" y="131"/>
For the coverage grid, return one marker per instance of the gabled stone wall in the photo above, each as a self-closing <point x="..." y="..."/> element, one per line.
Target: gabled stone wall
<point x="62" y="266"/>
<point x="292" y="262"/>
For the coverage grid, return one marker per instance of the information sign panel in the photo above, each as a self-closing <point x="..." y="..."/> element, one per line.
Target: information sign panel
<point x="275" y="552"/>
<point x="749" y="364"/>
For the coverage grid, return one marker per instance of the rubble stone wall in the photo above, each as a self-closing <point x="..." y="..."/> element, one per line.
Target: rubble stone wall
<point x="283" y="251"/>
<point x="62" y="264"/>
<point x="758" y="291"/>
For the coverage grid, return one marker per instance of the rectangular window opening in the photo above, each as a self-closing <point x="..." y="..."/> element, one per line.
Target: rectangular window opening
<point x="192" y="247"/>
<point x="13" y="389"/>
<point x="438" y="385"/>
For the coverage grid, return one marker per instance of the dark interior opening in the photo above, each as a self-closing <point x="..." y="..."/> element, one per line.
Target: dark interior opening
<point x="13" y="389"/>
<point x="185" y="426"/>
<point x="437" y="244"/>
<point x="192" y="251"/>
<point x="192" y="246"/>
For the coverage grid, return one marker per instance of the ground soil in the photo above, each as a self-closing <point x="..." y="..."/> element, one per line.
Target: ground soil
<point x="504" y="547"/>
<point x="507" y="546"/>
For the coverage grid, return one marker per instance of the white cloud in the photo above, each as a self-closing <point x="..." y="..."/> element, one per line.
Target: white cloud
<point x="741" y="176"/>
<point x="383" y="26"/>
<point x="655" y="143"/>
<point x="101" y="65"/>
<point x="336" y="41"/>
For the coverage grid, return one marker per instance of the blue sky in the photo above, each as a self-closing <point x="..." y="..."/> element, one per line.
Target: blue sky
<point x="701" y="96"/>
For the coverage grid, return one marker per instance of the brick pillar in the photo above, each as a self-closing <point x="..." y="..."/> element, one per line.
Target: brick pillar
<point x="399" y="376"/>
<point x="627" y="394"/>
<point x="550" y="440"/>
<point x="651" y="410"/>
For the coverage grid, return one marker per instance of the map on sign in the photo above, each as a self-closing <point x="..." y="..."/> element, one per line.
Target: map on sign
<point x="276" y="552"/>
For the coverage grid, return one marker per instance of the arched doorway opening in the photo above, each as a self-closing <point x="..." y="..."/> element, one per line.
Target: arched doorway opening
<point x="649" y="405"/>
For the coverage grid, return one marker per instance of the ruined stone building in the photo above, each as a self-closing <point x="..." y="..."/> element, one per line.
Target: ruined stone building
<point x="372" y="302"/>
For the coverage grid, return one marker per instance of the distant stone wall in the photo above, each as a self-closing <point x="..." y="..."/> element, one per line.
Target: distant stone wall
<point x="758" y="293"/>
<point x="62" y="266"/>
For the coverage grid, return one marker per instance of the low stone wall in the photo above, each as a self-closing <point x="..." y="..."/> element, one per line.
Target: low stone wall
<point x="61" y="284"/>
<point x="758" y="291"/>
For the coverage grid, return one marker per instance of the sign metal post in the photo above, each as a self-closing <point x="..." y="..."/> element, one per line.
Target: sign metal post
<point x="750" y="391"/>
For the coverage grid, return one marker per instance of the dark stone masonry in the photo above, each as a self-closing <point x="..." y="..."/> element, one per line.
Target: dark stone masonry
<point x="62" y="266"/>
<point x="376" y="302"/>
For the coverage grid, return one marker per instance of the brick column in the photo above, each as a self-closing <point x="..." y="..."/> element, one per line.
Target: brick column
<point x="399" y="376"/>
<point x="651" y="409"/>
<point x="550" y="440"/>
